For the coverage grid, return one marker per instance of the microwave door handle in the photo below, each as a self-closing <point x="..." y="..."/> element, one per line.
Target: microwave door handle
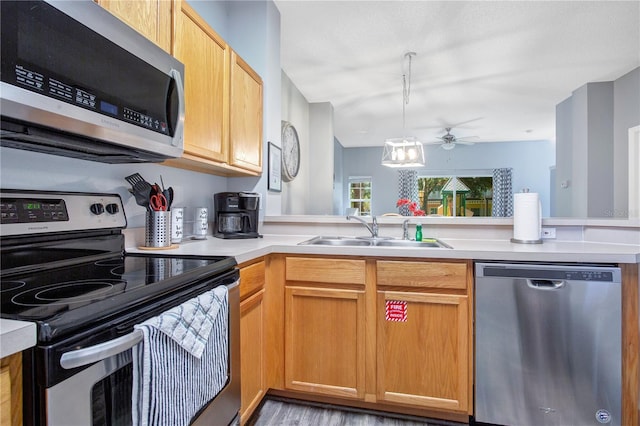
<point x="101" y="351"/>
<point x="178" y="135"/>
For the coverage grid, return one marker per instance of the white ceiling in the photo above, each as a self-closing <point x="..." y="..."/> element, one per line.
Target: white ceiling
<point x="495" y="68"/>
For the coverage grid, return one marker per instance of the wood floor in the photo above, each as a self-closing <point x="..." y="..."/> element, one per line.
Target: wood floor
<point x="284" y="412"/>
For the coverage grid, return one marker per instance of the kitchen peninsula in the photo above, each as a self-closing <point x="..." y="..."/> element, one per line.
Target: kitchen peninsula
<point x="301" y="280"/>
<point x="272" y="286"/>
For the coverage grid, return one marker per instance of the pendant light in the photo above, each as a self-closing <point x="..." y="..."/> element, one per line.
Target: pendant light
<point x="405" y="151"/>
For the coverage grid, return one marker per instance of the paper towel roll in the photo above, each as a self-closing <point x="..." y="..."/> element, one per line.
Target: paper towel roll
<point x="527" y="218"/>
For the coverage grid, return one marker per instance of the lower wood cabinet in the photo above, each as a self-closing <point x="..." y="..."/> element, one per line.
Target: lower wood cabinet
<point x="324" y="341"/>
<point x="11" y="390"/>
<point x="395" y="333"/>
<point x="252" y="338"/>
<point x="424" y="334"/>
<point x="325" y="326"/>
<point x="423" y="355"/>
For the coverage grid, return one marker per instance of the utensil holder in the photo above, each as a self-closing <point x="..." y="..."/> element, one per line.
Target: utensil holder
<point x="157" y="230"/>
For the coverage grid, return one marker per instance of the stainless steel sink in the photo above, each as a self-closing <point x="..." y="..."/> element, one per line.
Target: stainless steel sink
<point x="375" y="242"/>
<point x="337" y="241"/>
<point x="425" y="243"/>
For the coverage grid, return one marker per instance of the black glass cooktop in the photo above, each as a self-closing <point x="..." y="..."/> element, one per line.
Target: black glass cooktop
<point x="81" y="293"/>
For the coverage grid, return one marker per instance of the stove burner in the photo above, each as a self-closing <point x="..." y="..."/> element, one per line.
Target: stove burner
<point x="110" y="262"/>
<point x="69" y="293"/>
<point x="11" y="285"/>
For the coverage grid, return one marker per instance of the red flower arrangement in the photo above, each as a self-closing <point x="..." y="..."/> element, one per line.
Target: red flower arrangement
<point x="412" y="205"/>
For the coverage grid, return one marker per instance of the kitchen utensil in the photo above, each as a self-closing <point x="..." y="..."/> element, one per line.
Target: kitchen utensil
<point x="141" y="198"/>
<point x="134" y="179"/>
<point x="168" y="194"/>
<point x="142" y="189"/>
<point x="158" y="202"/>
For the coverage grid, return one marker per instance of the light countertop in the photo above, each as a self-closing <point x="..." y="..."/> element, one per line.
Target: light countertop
<point x="16" y="336"/>
<point x="549" y="251"/>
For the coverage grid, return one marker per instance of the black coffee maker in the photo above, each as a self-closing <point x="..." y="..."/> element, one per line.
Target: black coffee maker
<point x="236" y="214"/>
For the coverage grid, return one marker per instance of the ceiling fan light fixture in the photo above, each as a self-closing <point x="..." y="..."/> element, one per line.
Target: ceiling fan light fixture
<point x="448" y="146"/>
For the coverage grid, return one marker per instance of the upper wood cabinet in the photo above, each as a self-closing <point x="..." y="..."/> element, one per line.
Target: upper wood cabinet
<point x="205" y="56"/>
<point x="245" y="138"/>
<point x="151" y="18"/>
<point x="223" y="101"/>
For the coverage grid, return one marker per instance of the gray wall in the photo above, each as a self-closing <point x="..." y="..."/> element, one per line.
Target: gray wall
<point x="295" y="110"/>
<point x="563" y="189"/>
<point x="338" y="178"/>
<point x="259" y="47"/>
<point x="530" y="160"/>
<point x="592" y="147"/>
<point x="626" y="107"/>
<point x="321" y="158"/>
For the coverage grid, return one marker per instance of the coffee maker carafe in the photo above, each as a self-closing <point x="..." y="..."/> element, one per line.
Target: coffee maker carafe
<point x="236" y="214"/>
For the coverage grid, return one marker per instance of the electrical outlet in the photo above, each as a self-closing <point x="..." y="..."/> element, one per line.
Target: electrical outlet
<point x="548" y="233"/>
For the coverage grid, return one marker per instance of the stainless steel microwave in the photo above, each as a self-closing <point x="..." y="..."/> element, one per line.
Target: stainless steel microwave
<point x="78" y="82"/>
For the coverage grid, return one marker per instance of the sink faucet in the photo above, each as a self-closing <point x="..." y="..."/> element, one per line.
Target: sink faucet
<point x="373" y="228"/>
<point x="405" y="229"/>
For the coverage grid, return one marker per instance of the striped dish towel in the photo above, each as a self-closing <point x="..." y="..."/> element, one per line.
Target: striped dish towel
<point x="181" y="363"/>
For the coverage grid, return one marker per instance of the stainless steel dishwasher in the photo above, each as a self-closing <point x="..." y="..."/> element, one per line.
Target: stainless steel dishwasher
<point x="548" y="344"/>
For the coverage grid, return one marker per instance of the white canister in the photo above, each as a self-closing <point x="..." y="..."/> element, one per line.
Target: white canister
<point x="177" y="224"/>
<point x="200" y="223"/>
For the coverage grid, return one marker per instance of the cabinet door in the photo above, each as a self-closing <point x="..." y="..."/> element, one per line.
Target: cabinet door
<point x="11" y="390"/>
<point x="324" y="341"/>
<point x="423" y="357"/>
<point x="205" y="56"/>
<point x="151" y="18"/>
<point x="252" y="347"/>
<point x="245" y="139"/>
<point x="5" y="397"/>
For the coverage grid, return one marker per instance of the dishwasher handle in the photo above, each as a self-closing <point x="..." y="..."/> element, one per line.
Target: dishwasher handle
<point x="545" y="284"/>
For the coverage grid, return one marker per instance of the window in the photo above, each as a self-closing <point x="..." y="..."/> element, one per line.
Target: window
<point x="360" y="195"/>
<point x="462" y="194"/>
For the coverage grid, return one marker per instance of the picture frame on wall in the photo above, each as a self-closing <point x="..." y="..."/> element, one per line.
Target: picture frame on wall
<point x="274" y="172"/>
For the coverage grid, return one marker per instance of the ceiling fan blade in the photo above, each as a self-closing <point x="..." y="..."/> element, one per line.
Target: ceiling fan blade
<point x="464" y="142"/>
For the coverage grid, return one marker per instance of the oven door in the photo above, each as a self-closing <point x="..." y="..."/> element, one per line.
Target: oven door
<point x="101" y="395"/>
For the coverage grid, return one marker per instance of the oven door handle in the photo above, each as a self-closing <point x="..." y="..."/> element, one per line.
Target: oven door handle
<point x="101" y="351"/>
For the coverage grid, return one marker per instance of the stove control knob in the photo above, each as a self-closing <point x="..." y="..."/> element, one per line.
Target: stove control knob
<point x="97" y="208"/>
<point x="112" y="208"/>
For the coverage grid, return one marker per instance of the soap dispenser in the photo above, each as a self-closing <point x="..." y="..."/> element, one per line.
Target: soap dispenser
<point x="418" y="232"/>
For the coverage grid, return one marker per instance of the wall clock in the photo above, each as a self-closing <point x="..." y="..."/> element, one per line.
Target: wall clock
<point x="290" y="152"/>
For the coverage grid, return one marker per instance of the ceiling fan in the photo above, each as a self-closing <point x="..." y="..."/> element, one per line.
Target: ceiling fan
<point x="449" y="141"/>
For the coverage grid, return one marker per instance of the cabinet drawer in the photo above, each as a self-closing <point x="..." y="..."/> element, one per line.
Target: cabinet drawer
<point x="422" y="274"/>
<point x="251" y="279"/>
<point x="333" y="271"/>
